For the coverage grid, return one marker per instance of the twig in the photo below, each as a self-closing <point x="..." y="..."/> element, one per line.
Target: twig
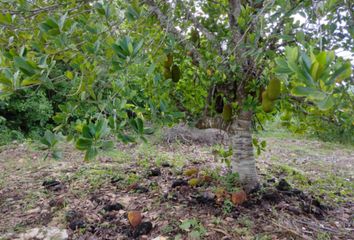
<point x="316" y="227"/>
<point x="291" y="231"/>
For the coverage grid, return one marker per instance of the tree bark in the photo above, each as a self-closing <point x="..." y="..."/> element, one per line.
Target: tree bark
<point x="240" y="140"/>
<point x="243" y="159"/>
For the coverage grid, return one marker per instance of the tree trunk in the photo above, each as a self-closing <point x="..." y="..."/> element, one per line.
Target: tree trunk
<point x="243" y="159"/>
<point x="240" y="138"/>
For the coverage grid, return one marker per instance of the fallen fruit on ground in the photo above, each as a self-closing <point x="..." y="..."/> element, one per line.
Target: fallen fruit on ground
<point x="190" y="172"/>
<point x="238" y="198"/>
<point x="134" y="218"/>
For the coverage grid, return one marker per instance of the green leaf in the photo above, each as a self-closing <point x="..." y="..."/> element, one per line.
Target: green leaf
<point x="125" y="138"/>
<point x="49" y="139"/>
<point x="91" y="153"/>
<point x="292" y="53"/>
<point x="61" y="21"/>
<point x="83" y="143"/>
<point x="5" y="18"/>
<point x="311" y="93"/>
<point x="101" y="128"/>
<point x="325" y="104"/>
<point x="30" y="81"/>
<point x="88" y="131"/>
<point x="107" y="145"/>
<point x="282" y="66"/>
<point x="5" y="81"/>
<point x="185" y="225"/>
<point x="69" y="75"/>
<point x="340" y="74"/>
<point x="137" y="47"/>
<point x="57" y="154"/>
<point x="140" y="125"/>
<point x="25" y="66"/>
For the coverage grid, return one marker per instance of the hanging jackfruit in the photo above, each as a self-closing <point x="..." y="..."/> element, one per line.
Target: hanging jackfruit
<point x="169" y="61"/>
<point x="267" y="104"/>
<point x="227" y="112"/>
<point x="195" y="38"/>
<point x="273" y="89"/>
<point x="176" y="73"/>
<point x="167" y="73"/>
<point x="219" y="104"/>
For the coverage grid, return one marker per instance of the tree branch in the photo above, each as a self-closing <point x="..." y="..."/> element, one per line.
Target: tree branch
<point x="195" y="55"/>
<point x="209" y="35"/>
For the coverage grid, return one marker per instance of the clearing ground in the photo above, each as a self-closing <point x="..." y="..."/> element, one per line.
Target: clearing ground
<point x="90" y="200"/>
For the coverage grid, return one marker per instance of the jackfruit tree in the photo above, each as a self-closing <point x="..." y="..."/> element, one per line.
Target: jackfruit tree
<point x="224" y="62"/>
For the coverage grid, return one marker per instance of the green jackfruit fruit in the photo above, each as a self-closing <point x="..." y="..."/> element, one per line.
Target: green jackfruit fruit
<point x="273" y="89"/>
<point x="219" y="104"/>
<point x="169" y="61"/>
<point x="176" y="73"/>
<point x="267" y="104"/>
<point x="195" y="38"/>
<point x="167" y="73"/>
<point x="227" y="112"/>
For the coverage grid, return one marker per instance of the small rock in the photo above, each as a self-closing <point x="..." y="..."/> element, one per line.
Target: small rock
<point x="229" y="219"/>
<point x="165" y="164"/>
<point x="160" y="238"/>
<point x="52" y="185"/>
<point x="72" y="215"/>
<point x="283" y="185"/>
<point x="268" y="228"/>
<point x="113" y="207"/>
<point x="179" y="182"/>
<point x="155" y="172"/>
<point x="116" y="179"/>
<point x="76" y="224"/>
<point x="57" y="202"/>
<point x="45" y="233"/>
<point x="141" y="189"/>
<point x="34" y="210"/>
<point x="318" y="204"/>
<point x="272" y="197"/>
<point x="294" y="210"/>
<point x="142" y="229"/>
<point x="271" y="180"/>
<point x="206" y="198"/>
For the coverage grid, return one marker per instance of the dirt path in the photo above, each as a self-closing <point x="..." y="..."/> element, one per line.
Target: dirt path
<point x="94" y="197"/>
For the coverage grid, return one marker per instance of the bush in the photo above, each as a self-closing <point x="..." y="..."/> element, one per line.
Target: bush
<point x="26" y="111"/>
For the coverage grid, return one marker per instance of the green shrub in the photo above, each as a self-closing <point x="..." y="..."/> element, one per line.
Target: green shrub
<point x="26" y="111"/>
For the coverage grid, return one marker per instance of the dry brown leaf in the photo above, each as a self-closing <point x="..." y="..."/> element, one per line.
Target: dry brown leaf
<point x="134" y="218"/>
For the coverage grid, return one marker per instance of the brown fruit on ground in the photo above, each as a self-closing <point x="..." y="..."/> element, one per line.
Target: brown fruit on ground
<point x="134" y="218"/>
<point x="238" y="197"/>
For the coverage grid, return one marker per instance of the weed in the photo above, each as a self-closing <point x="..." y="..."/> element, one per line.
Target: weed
<point x="227" y="206"/>
<point x="194" y="228"/>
